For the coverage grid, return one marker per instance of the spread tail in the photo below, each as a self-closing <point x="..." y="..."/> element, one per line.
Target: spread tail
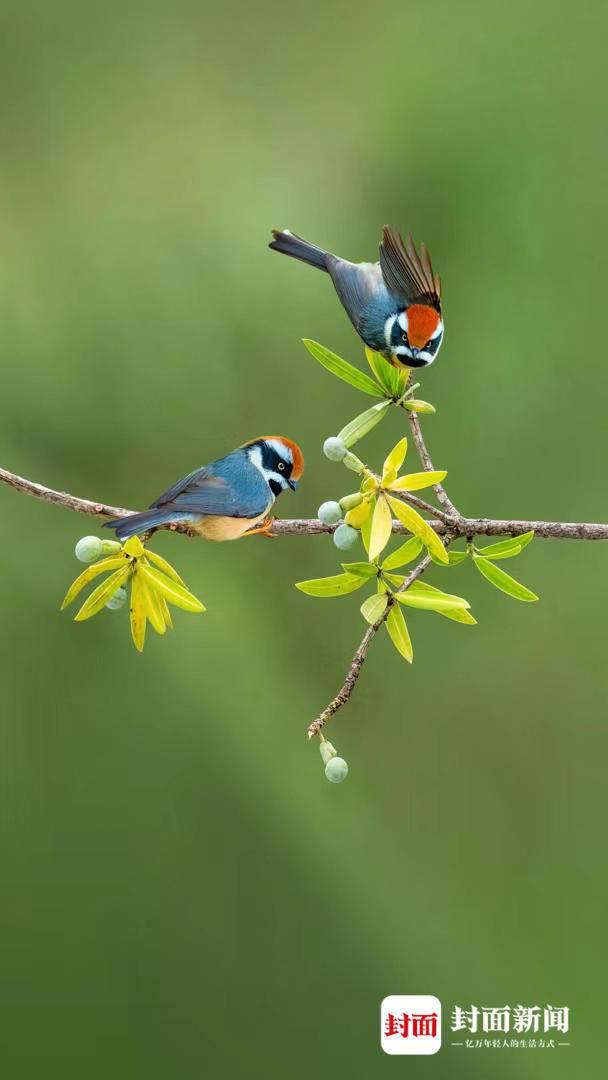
<point x="289" y="244"/>
<point x="139" y="523"/>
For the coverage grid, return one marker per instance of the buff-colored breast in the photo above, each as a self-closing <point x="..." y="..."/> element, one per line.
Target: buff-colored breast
<point x="225" y="528"/>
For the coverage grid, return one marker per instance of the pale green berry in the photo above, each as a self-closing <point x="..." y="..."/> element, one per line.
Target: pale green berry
<point x="329" y="513"/>
<point x="348" y="502"/>
<point x="345" y="537"/>
<point x="117" y="600"/>
<point x="327" y="751"/>
<point x="336" y="770"/>
<point x="334" y="448"/>
<point x="88" y="548"/>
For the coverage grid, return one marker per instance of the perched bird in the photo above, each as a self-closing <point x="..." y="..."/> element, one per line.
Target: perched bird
<point x="228" y="497"/>
<point x="394" y="305"/>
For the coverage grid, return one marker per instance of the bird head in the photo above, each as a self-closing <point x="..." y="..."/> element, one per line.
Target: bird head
<point x="279" y="460"/>
<point x="414" y="336"/>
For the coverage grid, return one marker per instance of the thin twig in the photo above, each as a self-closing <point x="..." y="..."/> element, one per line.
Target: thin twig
<point x="358" y="659"/>
<point x="427" y="464"/>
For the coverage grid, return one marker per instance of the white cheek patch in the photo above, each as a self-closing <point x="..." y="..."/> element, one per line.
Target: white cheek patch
<point x="402" y="350"/>
<point x="426" y="357"/>
<point x="438" y="331"/>
<point x="388" y="329"/>
<point x="403" y="323"/>
<point x="255" y="457"/>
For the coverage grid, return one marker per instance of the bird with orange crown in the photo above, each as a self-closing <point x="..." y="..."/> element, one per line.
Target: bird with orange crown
<point x="227" y="498"/>
<point x="394" y="304"/>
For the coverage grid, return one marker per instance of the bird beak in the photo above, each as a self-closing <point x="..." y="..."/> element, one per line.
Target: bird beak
<point x="293" y="484"/>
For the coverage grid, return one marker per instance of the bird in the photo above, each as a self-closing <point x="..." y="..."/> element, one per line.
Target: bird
<point x="394" y="304"/>
<point x="226" y="498"/>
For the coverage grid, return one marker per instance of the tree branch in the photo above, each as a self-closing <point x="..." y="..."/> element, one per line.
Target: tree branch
<point x="453" y="523"/>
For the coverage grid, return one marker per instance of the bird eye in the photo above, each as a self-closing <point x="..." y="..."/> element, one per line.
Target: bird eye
<point x="281" y="467"/>
<point x="404" y="337"/>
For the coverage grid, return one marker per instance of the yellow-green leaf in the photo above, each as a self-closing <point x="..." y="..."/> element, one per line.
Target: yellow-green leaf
<point x="163" y="565"/>
<point x="386" y="374"/>
<point x="111" y="563"/>
<point x="134" y="547"/>
<point x="343" y="370"/>
<point x="394" y="460"/>
<point x="404" y="554"/>
<point x="458" y="614"/>
<point x="362" y="424"/>
<point x="417" y="480"/>
<point x="428" y="602"/>
<point x="164" y="607"/>
<point x="152" y="600"/>
<point x="503" y="581"/>
<point x="338" y="585"/>
<point x="366" y="527"/>
<point x="100" y="596"/>
<point x="399" y="633"/>
<point x="373" y="608"/>
<point x="423" y="588"/>
<point x="137" y="611"/>
<point x="359" y="514"/>
<point x="505" y="549"/>
<point x="417" y="406"/>
<point x="419" y="527"/>
<point x="382" y="526"/>
<point x="171" y="590"/>
<point x="362" y="569"/>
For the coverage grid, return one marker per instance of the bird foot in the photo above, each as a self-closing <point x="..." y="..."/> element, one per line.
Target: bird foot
<point x="265" y="529"/>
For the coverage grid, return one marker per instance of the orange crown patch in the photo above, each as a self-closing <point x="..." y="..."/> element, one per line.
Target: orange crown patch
<point x="422" y="322"/>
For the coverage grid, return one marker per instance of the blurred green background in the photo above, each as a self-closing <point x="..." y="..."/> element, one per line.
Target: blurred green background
<point x="182" y="888"/>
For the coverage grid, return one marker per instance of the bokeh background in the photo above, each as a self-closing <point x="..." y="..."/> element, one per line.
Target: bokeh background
<point x="182" y="889"/>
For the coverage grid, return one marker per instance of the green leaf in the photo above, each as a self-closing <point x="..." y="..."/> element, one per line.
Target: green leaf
<point x="419" y="527"/>
<point x="163" y="565"/>
<point x="404" y="554"/>
<point x="386" y="374"/>
<point x="395" y="579"/>
<point x="395" y="459"/>
<point x="362" y="569"/>
<point x="382" y="526"/>
<point x="171" y="590"/>
<point x="137" y="611"/>
<point x="359" y="514"/>
<point x="505" y="549"/>
<point x="417" y="406"/>
<point x="417" y="480"/>
<point x="459" y="614"/>
<point x="428" y="602"/>
<point x="112" y="563"/>
<point x="338" y="585"/>
<point x="503" y="581"/>
<point x="100" y="596"/>
<point x="152" y="603"/>
<point x="399" y="634"/>
<point x="454" y="558"/>
<point x="363" y="423"/>
<point x="343" y="370"/>
<point x="374" y="607"/>
<point x="366" y="526"/>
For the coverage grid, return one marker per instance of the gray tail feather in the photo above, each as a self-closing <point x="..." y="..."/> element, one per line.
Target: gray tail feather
<point x="289" y="244"/>
<point x="139" y="523"/>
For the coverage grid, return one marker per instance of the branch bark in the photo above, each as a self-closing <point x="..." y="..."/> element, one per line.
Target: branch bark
<point x="453" y="522"/>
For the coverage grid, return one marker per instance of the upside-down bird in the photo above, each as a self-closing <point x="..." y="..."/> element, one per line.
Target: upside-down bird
<point x="394" y="304"/>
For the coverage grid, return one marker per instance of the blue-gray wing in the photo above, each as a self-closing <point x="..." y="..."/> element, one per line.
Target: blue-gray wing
<point x="232" y="487"/>
<point x="357" y="284"/>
